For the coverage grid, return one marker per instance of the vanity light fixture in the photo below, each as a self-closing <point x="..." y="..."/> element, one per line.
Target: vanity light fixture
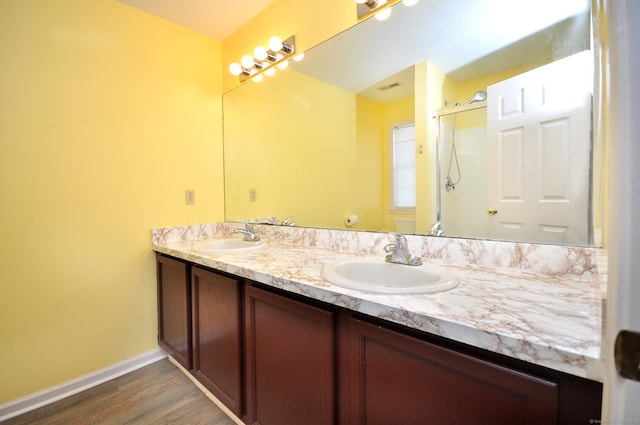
<point x="265" y="60"/>
<point x="381" y="9"/>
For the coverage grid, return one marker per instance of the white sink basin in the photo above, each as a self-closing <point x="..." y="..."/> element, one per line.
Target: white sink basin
<point x="227" y="245"/>
<point x="371" y="275"/>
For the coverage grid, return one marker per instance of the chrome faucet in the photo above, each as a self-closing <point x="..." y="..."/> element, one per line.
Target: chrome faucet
<point x="435" y="229"/>
<point x="288" y="221"/>
<point x="398" y="252"/>
<point x="249" y="234"/>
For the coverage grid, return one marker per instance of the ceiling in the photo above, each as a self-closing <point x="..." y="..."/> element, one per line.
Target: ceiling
<point x="217" y="19"/>
<point x="465" y="39"/>
<point x="459" y="37"/>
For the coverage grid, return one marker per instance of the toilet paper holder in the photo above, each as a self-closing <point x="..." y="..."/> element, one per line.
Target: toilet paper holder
<point x="350" y="220"/>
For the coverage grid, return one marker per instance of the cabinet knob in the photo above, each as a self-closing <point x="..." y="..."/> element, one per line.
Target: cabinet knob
<point x="492" y="211"/>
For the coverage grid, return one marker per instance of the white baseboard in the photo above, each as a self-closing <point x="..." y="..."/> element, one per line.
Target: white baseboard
<point x="66" y="389"/>
<point x="207" y="393"/>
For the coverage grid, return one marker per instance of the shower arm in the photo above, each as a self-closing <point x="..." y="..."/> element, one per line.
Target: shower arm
<point x="451" y="111"/>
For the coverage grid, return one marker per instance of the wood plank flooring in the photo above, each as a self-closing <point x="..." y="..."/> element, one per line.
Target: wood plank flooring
<point x="156" y="394"/>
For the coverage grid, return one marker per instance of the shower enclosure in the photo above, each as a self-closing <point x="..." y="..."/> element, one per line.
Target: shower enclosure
<point x="518" y="166"/>
<point x="461" y="135"/>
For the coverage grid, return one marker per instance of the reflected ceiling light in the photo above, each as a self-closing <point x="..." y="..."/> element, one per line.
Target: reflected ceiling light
<point x="381" y="9"/>
<point x="384" y="13"/>
<point x="263" y="60"/>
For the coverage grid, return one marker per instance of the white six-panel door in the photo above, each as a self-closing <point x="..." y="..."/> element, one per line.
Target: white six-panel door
<point x="538" y="150"/>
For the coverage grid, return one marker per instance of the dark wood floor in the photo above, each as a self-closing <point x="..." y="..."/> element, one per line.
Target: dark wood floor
<point x="156" y="394"/>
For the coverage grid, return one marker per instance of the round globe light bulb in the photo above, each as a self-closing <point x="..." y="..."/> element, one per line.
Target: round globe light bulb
<point x="275" y="44"/>
<point x="361" y="1"/>
<point x="247" y="61"/>
<point x="269" y="72"/>
<point x="235" y="69"/>
<point x="257" y="78"/>
<point x="283" y="64"/>
<point x="299" y="57"/>
<point x="260" y="53"/>
<point x="409" y="2"/>
<point x="381" y="16"/>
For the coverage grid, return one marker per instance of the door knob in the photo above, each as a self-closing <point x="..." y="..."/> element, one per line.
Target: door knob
<point x="627" y="354"/>
<point x="492" y="211"/>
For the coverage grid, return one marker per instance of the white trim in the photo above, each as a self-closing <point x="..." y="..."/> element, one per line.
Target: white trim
<point x="392" y="161"/>
<point x="402" y="211"/>
<point x="74" y="386"/>
<point x="620" y="397"/>
<point x="207" y="393"/>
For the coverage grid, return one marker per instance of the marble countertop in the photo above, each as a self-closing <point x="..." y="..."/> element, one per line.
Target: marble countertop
<point x="546" y="310"/>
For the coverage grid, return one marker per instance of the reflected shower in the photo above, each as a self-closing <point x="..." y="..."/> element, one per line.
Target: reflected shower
<point x="449" y="182"/>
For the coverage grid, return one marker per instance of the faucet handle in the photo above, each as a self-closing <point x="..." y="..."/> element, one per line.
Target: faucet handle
<point x="435" y="229"/>
<point x="400" y="240"/>
<point x="249" y="234"/>
<point x="398" y="252"/>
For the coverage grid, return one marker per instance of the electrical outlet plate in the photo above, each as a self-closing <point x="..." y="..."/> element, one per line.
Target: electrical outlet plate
<point x="253" y="195"/>
<point x="189" y="196"/>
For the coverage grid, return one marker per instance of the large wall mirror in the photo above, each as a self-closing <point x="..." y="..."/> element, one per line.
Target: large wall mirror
<point x="452" y="118"/>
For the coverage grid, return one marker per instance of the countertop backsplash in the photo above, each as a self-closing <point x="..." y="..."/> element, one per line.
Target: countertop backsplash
<point x="552" y="260"/>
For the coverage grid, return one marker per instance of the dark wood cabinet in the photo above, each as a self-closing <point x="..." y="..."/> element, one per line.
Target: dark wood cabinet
<point x="397" y="379"/>
<point x="174" y="308"/>
<point x="275" y="358"/>
<point x="290" y="360"/>
<point x="217" y="335"/>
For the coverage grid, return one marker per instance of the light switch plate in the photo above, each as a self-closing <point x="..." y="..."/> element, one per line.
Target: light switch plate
<point x="189" y="196"/>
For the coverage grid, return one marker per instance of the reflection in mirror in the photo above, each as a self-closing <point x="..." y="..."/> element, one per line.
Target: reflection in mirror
<point x="317" y="142"/>
<point x="520" y="169"/>
<point x="463" y="170"/>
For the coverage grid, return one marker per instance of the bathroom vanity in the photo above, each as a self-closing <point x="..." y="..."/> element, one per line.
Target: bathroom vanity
<point x="276" y="343"/>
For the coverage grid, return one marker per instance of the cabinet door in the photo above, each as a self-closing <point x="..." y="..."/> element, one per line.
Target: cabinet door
<point x="217" y="360"/>
<point x="396" y="379"/>
<point x="290" y="361"/>
<point x="174" y="308"/>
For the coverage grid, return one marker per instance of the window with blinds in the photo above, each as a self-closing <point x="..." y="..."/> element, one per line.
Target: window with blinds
<point x="404" y="166"/>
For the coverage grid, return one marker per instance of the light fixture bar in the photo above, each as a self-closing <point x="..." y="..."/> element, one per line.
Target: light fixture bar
<point x="371" y="8"/>
<point x="277" y="54"/>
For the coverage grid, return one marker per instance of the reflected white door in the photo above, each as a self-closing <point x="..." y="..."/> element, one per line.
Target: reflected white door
<point x="538" y="153"/>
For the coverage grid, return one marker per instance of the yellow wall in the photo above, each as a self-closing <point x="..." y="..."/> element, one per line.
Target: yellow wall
<point x="367" y="183"/>
<point x="432" y="87"/>
<point x="308" y="177"/>
<point x="340" y="167"/>
<point x="107" y="115"/>
<point x="319" y="179"/>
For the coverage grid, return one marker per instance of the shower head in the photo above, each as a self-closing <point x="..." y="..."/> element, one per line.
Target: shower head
<point x="479" y="96"/>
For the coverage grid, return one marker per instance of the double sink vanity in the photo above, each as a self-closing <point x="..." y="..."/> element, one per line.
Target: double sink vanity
<point x="314" y="326"/>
